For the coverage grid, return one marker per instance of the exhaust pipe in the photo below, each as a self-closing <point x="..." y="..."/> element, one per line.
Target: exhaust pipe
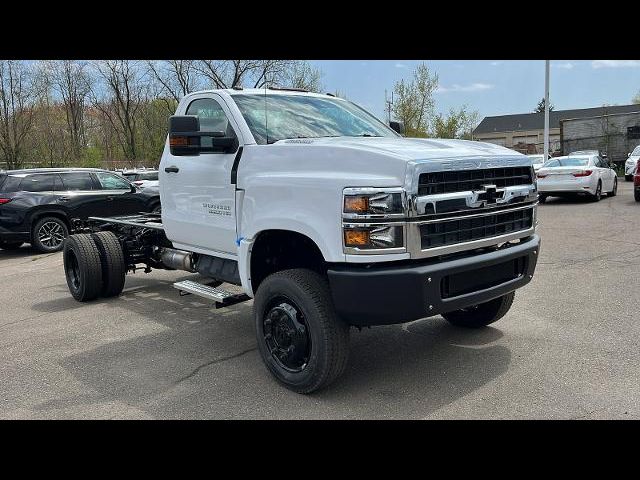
<point x="177" y="259"/>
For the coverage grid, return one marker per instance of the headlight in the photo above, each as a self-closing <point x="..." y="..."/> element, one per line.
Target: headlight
<point x="377" y="202"/>
<point x="372" y="237"/>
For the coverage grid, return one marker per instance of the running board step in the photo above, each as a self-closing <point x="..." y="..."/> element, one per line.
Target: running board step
<point x="221" y="297"/>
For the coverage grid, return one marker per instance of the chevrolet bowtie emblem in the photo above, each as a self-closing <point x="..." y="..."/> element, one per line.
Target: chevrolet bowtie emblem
<point x="490" y="194"/>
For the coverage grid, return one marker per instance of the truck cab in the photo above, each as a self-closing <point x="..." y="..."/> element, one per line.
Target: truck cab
<point x="329" y="219"/>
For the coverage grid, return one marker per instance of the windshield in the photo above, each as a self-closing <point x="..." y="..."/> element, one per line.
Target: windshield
<point x="567" y="162"/>
<point x="636" y="151"/>
<point x="301" y="116"/>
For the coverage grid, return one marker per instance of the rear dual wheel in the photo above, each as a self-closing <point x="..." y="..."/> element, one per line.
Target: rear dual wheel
<point x="94" y="265"/>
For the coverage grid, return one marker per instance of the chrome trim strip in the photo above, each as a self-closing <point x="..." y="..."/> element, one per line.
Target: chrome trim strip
<point x="471" y="198"/>
<point x="475" y="215"/>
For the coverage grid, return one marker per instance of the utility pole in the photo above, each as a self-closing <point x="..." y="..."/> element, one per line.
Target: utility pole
<point x="388" y="105"/>
<point x="546" y="110"/>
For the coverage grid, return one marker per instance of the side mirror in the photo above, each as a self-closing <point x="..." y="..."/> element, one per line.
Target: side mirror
<point x="185" y="138"/>
<point x="397" y="126"/>
<point x="628" y="154"/>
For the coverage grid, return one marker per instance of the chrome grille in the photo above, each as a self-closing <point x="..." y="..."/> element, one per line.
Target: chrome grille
<point x="476" y="227"/>
<point x="432" y="183"/>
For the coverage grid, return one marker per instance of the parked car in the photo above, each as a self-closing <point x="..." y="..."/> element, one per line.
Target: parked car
<point x="142" y="178"/>
<point x="630" y="166"/>
<point x="38" y="205"/>
<point x="537" y="161"/>
<point x="577" y="175"/>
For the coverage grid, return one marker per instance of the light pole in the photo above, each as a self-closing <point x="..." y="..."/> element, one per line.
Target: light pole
<point x="546" y="110"/>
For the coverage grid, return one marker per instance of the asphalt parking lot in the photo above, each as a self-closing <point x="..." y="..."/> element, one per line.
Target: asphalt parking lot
<point x="568" y="349"/>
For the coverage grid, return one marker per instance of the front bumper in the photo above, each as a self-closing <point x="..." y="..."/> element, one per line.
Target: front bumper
<point x="578" y="185"/>
<point x="383" y="295"/>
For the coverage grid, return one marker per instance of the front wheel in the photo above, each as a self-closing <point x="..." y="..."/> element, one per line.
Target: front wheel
<point x="598" y="195"/>
<point x="483" y="314"/>
<point x="301" y="340"/>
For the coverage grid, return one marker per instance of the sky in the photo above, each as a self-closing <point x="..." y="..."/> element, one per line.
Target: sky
<point x="492" y="87"/>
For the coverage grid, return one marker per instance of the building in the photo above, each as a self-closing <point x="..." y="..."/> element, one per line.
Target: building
<point x="615" y="134"/>
<point x="524" y="132"/>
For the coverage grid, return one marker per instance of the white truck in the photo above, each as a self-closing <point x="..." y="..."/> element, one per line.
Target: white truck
<point x="327" y="218"/>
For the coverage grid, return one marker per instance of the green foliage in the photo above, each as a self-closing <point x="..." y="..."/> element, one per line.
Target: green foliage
<point x="636" y="98"/>
<point x="540" y="107"/>
<point x="413" y="102"/>
<point x="92" y="157"/>
<point x="457" y="124"/>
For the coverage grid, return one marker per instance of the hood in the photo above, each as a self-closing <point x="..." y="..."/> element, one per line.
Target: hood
<point x="412" y="149"/>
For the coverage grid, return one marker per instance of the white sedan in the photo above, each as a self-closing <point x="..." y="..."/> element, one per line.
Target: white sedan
<point x="631" y="163"/>
<point x="577" y="175"/>
<point x="537" y="161"/>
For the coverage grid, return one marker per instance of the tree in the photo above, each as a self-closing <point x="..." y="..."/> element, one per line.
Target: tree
<point x="259" y="73"/>
<point x="17" y="93"/>
<point x="71" y="81"/>
<point x="540" y="107"/>
<point x="177" y="78"/>
<point x="119" y="96"/>
<point x="636" y="98"/>
<point x="413" y="101"/>
<point x="457" y="124"/>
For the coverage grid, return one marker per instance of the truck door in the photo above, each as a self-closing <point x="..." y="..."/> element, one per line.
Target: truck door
<point x="198" y="198"/>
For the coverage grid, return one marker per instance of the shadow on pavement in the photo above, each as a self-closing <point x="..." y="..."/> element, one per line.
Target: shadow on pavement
<point x="203" y="363"/>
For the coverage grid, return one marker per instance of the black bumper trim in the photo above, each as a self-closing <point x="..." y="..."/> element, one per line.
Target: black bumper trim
<point x="384" y="295"/>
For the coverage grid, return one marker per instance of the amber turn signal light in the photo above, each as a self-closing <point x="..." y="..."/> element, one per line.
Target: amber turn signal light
<point x="356" y="238"/>
<point x="178" y="141"/>
<point x="356" y="204"/>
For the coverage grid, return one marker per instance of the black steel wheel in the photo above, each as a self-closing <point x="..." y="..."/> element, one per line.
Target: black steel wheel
<point x="301" y="340"/>
<point x="48" y="234"/>
<point x="82" y="267"/>
<point x="286" y="334"/>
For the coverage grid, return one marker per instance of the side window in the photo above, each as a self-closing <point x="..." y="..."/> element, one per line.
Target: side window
<point x="77" y="181"/>
<point x="40" y="183"/>
<point x="212" y="118"/>
<point x="109" y="181"/>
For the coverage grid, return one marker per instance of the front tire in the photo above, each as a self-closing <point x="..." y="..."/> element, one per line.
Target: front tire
<point x="48" y="234"/>
<point x="636" y="195"/>
<point x="82" y="267"/>
<point x="301" y="340"/>
<point x="10" y="245"/>
<point x="483" y="314"/>
<point x="596" y="197"/>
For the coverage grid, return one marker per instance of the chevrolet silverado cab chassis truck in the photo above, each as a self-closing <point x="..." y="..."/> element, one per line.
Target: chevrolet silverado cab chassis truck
<point x="327" y="218"/>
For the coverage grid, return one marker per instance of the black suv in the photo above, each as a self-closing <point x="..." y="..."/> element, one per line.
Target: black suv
<point x="37" y="205"/>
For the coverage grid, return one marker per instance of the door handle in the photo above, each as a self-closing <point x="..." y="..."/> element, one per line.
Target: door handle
<point x="64" y="199"/>
<point x="172" y="169"/>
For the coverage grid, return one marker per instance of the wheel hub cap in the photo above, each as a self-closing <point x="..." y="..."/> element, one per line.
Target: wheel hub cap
<point x="287" y="337"/>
